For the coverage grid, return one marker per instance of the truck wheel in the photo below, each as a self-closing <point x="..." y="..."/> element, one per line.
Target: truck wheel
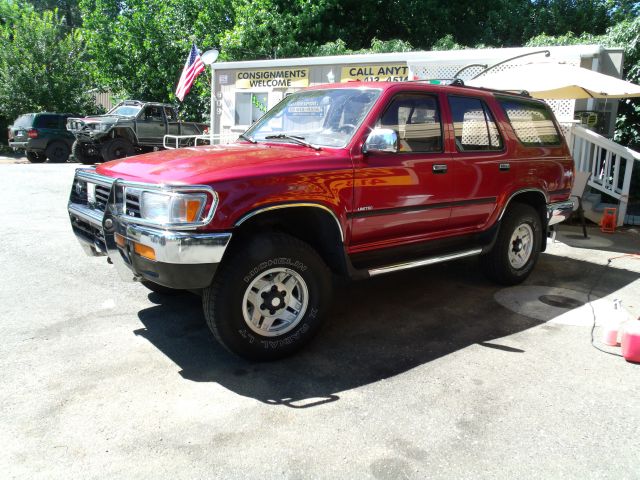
<point x="34" y="157"/>
<point x="117" y="148"/>
<point x="268" y="297"/>
<point x="517" y="247"/>
<point x="160" y="289"/>
<point x="57" y="152"/>
<point x="81" y="155"/>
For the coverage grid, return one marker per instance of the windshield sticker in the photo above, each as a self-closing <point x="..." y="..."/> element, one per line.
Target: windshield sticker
<point x="305" y="108"/>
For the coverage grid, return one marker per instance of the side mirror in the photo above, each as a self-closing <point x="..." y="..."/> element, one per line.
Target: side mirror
<point x="381" y="140"/>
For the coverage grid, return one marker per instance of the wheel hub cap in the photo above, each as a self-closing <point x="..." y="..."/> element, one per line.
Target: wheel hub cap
<point x="275" y="302"/>
<point x="521" y="246"/>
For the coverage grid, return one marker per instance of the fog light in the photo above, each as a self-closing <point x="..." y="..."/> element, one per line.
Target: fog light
<point x="144" y="251"/>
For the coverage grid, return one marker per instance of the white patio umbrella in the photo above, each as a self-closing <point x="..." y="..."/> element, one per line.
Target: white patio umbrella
<point x="557" y="81"/>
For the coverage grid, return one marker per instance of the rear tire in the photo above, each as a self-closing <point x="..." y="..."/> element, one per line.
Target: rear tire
<point x="58" y="152"/>
<point x="516" y="250"/>
<point x="268" y="297"/>
<point x="117" y="148"/>
<point x="34" y="157"/>
<point x="80" y="154"/>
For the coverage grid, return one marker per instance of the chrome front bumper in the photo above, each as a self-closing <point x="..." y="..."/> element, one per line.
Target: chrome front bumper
<point x="559" y="212"/>
<point x="183" y="259"/>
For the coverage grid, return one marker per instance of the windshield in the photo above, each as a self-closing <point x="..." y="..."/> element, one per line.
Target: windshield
<point x="320" y="117"/>
<point x="125" y="110"/>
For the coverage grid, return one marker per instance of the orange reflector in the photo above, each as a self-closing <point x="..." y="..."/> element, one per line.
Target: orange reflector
<point x="119" y="240"/>
<point x="192" y="210"/>
<point x="144" y="251"/>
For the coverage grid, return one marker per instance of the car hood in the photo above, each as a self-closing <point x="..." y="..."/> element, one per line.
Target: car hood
<point x="208" y="164"/>
<point x="100" y="119"/>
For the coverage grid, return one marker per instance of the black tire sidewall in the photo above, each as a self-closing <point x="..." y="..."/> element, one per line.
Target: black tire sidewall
<point x="230" y="325"/>
<point x="57" y="152"/>
<point x="109" y="149"/>
<point x="34" y="157"/>
<point x="78" y="152"/>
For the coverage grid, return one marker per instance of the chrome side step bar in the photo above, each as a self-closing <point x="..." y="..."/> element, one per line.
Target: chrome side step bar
<point x="423" y="262"/>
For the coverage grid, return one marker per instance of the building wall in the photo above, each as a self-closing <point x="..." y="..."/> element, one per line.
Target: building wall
<point x="232" y="116"/>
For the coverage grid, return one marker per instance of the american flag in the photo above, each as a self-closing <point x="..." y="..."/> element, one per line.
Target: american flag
<point x="192" y="68"/>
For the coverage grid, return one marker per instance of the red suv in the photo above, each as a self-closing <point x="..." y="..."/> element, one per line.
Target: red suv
<point x="357" y="179"/>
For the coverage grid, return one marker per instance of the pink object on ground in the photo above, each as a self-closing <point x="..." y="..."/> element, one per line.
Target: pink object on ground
<point x="631" y="342"/>
<point x="610" y="334"/>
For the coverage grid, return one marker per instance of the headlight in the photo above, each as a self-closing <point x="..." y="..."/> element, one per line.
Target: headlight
<point x="172" y="207"/>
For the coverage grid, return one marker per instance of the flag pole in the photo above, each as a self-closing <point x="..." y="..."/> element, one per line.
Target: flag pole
<point x="213" y="104"/>
<point x="209" y="58"/>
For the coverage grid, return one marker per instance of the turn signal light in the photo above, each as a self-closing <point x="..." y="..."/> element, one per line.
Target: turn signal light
<point x="119" y="240"/>
<point x="144" y="251"/>
<point x="192" y="207"/>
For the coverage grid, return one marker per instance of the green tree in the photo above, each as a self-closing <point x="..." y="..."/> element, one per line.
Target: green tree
<point x="68" y="10"/>
<point x="139" y="47"/>
<point x="42" y="63"/>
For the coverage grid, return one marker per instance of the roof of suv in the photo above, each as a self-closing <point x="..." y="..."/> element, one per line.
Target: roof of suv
<point x="424" y="84"/>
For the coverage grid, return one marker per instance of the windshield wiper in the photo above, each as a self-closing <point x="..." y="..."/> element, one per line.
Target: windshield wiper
<point x="248" y="139"/>
<point x="295" y="138"/>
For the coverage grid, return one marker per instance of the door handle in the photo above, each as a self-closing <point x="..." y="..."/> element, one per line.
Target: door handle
<point x="439" y="168"/>
<point x="504" y="167"/>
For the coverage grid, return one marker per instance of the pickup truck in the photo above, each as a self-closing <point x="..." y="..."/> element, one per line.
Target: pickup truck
<point x="356" y="179"/>
<point x="129" y="128"/>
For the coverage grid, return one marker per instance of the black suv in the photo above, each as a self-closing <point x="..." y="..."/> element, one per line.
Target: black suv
<point x="42" y="136"/>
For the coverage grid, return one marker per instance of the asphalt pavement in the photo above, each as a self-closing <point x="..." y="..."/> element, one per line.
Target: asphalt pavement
<point x="432" y="373"/>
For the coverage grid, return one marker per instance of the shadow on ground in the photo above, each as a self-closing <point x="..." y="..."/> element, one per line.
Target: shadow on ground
<point x="623" y="240"/>
<point x="377" y="329"/>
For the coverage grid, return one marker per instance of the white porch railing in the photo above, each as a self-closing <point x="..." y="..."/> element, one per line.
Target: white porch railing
<point x="610" y="164"/>
<point x="180" y="141"/>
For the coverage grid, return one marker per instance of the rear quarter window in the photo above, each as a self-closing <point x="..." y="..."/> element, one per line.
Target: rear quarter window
<point x="532" y="122"/>
<point x="48" y="121"/>
<point x="24" y="121"/>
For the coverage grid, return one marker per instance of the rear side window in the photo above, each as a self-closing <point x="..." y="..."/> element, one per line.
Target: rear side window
<point x="416" y="119"/>
<point x="48" y="121"/>
<point x="24" y="121"/>
<point x="532" y="122"/>
<point x="474" y="126"/>
<point x="171" y="114"/>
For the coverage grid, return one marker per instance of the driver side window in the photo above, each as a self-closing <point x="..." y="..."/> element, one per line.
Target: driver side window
<point x="416" y="119"/>
<point x="152" y="113"/>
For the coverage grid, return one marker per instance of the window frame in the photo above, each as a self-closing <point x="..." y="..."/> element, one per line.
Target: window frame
<point x="432" y="95"/>
<point x="485" y="107"/>
<point x="545" y="107"/>
<point x="251" y="105"/>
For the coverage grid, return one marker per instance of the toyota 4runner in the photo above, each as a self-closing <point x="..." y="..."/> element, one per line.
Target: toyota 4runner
<point x="357" y="179"/>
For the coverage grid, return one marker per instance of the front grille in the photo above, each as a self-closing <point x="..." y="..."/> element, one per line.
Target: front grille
<point x="132" y="204"/>
<point x="91" y="194"/>
<point x="102" y="197"/>
<point x="79" y="192"/>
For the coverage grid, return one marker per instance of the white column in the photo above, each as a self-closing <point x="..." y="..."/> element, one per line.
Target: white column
<point x="213" y="104"/>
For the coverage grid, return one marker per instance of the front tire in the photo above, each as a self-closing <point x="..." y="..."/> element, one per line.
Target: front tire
<point x="80" y="154"/>
<point x="268" y="297"/>
<point x="516" y="250"/>
<point x="117" y="148"/>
